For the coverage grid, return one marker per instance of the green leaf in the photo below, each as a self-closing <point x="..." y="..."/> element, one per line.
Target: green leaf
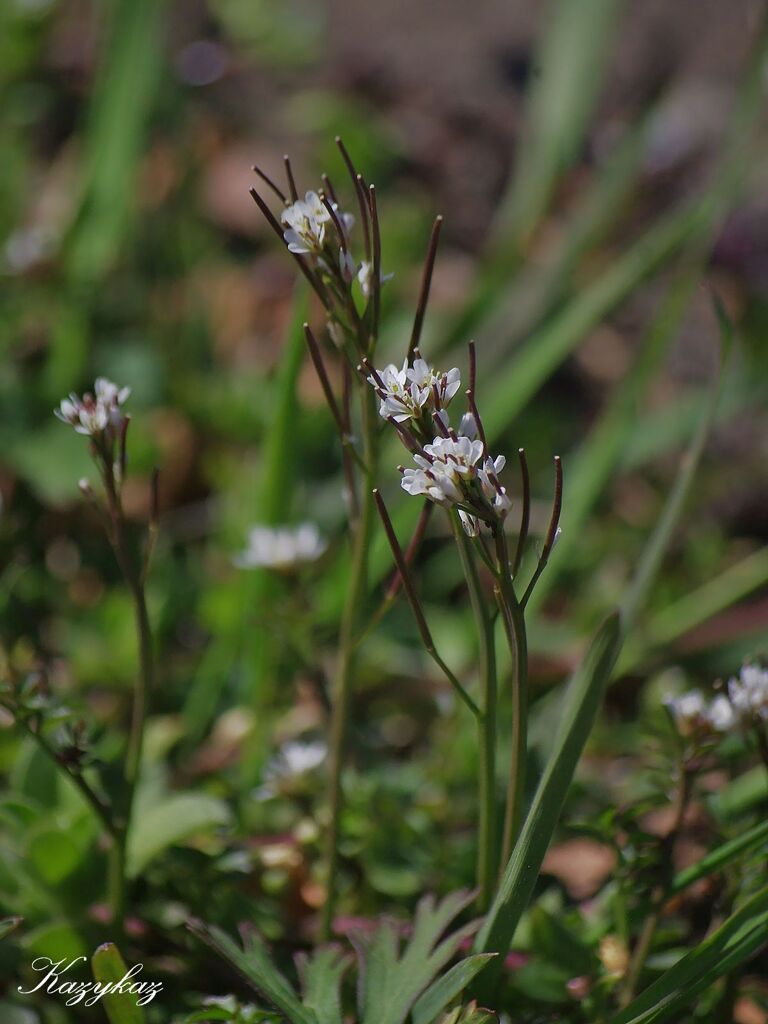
<point x="392" y="981"/>
<point x="582" y="702"/>
<point x="446" y="988"/>
<point x="55" y="939"/>
<point x="735" y="941"/>
<point x="254" y="964"/>
<point x="557" y="944"/>
<point x="172" y="820"/>
<point x="108" y="966"/>
<point x="53" y="853"/>
<point x="321" y="976"/>
<point x="742" y="793"/>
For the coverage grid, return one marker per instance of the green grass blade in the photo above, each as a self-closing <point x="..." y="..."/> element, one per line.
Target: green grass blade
<point x="738" y="938"/>
<point x="123" y="99"/>
<point x="259" y="585"/>
<point x="650" y="560"/>
<point x="446" y="988"/>
<point x="717" y="859"/>
<point x="255" y="644"/>
<point x="716" y="595"/>
<point x="570" y="65"/>
<point x="108" y="967"/>
<point x="582" y="702"/>
<point x="508" y="300"/>
<point x="546" y="349"/>
<point x="597" y="459"/>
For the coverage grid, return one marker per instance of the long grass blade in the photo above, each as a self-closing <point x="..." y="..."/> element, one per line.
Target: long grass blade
<point x="735" y="941"/>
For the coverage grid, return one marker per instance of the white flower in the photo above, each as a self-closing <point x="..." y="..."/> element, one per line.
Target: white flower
<point x="455" y="456"/>
<point x="468" y="426"/>
<point x="436" y="486"/>
<point x="296" y="757"/>
<point x="688" y="711"/>
<point x="427" y="379"/>
<point x="406" y="392"/>
<point x="749" y="693"/>
<point x="445" y="463"/>
<point x="281" y="547"/>
<point x="496" y="495"/>
<point x="470" y="524"/>
<point x="720" y="715"/>
<point x="365" y="278"/>
<point x="400" y="400"/>
<point x="305" y="222"/>
<point x="92" y="414"/>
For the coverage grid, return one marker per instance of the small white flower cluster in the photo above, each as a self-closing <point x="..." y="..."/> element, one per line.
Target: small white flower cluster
<point x="749" y="693"/>
<point x="94" y="413"/>
<point x="411" y="391"/>
<point x="745" y="705"/>
<point x="310" y="231"/>
<point x="281" y="547"/>
<point x="452" y="467"/>
<point x="306" y="221"/>
<point x="694" y="715"/>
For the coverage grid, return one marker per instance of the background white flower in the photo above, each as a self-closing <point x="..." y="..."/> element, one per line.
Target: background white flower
<point x="689" y="711"/>
<point x="749" y="693"/>
<point x="281" y="547"/>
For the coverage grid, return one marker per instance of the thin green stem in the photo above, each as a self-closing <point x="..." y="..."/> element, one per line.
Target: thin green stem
<point x="487" y="859"/>
<point x="144" y="686"/>
<point x="514" y="630"/>
<point x="660" y="893"/>
<point x="134" y="577"/>
<point x="347" y="649"/>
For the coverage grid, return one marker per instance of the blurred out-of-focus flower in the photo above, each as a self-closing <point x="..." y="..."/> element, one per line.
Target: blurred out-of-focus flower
<point x="689" y="711"/>
<point x="749" y="693"/>
<point x="93" y="413"/>
<point x="281" y="547"/>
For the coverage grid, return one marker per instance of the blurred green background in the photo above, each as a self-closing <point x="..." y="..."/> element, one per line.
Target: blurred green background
<point x="599" y="166"/>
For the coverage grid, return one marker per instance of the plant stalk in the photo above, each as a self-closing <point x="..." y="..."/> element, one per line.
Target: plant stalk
<point x="514" y="630"/>
<point x="134" y="577"/>
<point x="347" y="650"/>
<point x="487" y="858"/>
<point x="660" y="894"/>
